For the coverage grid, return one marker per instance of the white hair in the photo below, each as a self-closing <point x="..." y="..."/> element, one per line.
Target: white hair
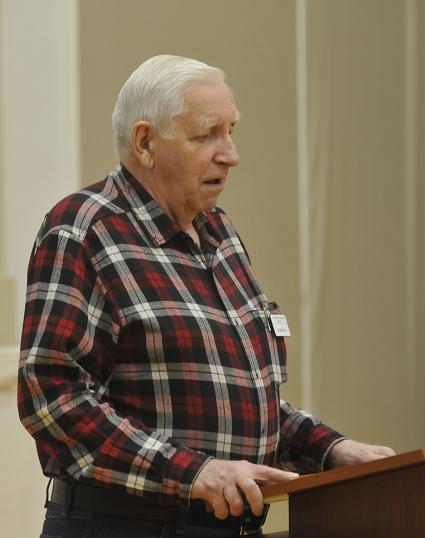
<point x="154" y="92"/>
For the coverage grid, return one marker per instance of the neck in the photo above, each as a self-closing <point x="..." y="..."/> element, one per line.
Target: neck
<point x="146" y="179"/>
<point x="193" y="234"/>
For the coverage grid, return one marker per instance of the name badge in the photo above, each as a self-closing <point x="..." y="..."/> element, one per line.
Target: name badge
<point x="280" y="325"/>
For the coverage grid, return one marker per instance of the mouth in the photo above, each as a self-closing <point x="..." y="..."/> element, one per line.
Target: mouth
<point x="214" y="181"/>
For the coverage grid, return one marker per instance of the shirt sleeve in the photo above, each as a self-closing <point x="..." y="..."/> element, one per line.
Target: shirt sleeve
<point x="305" y="441"/>
<point x="66" y="362"/>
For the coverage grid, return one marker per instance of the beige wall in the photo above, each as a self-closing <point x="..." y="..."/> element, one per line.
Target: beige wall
<point x="367" y="239"/>
<point x="364" y="268"/>
<point x="261" y="196"/>
<point x="362" y="217"/>
<point x="254" y="44"/>
<point x="420" y="204"/>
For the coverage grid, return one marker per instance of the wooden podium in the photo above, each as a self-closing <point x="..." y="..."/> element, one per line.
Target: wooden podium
<point x="380" y="499"/>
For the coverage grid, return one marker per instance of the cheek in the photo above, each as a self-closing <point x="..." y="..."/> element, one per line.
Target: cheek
<point x="201" y="162"/>
<point x="193" y="170"/>
<point x="188" y="167"/>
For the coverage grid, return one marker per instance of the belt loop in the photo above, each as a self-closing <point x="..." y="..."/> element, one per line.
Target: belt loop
<point x="47" y="492"/>
<point x="68" y="498"/>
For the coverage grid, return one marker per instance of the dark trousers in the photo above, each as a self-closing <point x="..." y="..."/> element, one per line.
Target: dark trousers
<point x="85" y="524"/>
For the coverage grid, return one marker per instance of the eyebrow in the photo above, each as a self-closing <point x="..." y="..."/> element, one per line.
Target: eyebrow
<point x="208" y="123"/>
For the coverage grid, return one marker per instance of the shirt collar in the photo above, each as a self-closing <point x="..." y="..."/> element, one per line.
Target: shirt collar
<point x="159" y="227"/>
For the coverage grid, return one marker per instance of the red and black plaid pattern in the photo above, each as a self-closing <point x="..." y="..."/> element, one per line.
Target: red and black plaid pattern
<point x="143" y="356"/>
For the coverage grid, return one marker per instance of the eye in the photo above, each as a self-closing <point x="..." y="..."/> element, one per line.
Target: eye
<point x="202" y="138"/>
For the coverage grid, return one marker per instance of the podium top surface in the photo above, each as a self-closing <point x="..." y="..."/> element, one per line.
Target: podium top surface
<point x="343" y="474"/>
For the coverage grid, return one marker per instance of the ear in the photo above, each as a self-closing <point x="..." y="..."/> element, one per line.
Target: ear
<point x="141" y="143"/>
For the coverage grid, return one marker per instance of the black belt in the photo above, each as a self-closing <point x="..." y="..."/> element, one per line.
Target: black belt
<point x="114" y="502"/>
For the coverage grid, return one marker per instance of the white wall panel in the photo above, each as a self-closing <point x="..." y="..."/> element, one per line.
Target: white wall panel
<point x="40" y="122"/>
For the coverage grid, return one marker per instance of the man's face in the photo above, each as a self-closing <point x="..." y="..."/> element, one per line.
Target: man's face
<point x="190" y="169"/>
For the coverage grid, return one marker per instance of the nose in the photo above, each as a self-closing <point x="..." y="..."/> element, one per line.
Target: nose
<point x="227" y="153"/>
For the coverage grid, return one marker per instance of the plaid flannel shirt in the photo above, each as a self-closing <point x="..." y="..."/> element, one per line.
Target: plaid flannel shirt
<point x="143" y="355"/>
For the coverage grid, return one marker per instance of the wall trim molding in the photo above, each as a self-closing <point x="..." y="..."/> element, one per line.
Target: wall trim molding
<point x="303" y="204"/>
<point x="411" y="177"/>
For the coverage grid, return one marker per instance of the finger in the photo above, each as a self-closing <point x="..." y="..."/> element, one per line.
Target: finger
<point x="371" y="456"/>
<point x="234" y="499"/>
<point x="270" y="474"/>
<point x="220" y="507"/>
<point x="253" y="496"/>
<point x="384" y="451"/>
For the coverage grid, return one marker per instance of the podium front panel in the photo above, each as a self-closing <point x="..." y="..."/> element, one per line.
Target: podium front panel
<point x="388" y="505"/>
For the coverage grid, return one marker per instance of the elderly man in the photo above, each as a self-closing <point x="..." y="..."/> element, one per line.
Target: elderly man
<point x="150" y="364"/>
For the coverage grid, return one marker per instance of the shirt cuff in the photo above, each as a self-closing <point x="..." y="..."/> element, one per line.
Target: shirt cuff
<point x="180" y="473"/>
<point x="324" y="465"/>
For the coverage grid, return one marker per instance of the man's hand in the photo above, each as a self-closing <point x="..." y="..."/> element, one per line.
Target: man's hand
<point x="349" y="452"/>
<point x="222" y="483"/>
